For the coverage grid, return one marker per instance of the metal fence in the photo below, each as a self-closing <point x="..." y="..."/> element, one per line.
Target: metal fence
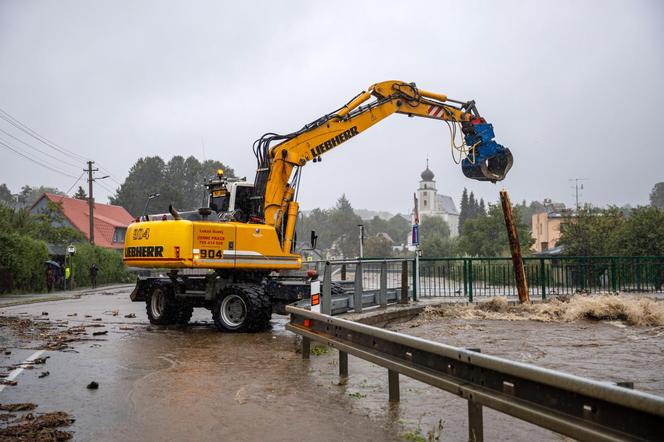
<point x="469" y="278"/>
<point x="473" y="277"/>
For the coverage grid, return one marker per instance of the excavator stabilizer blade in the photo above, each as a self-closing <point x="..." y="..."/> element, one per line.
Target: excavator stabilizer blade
<point x="487" y="160"/>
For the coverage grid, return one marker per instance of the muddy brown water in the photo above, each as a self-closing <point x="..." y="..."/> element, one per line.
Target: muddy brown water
<point x="198" y="384"/>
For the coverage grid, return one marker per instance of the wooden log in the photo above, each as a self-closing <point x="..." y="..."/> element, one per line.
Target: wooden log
<point x="515" y="248"/>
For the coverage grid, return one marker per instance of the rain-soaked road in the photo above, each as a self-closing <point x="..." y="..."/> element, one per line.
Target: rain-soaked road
<point x="198" y="384"/>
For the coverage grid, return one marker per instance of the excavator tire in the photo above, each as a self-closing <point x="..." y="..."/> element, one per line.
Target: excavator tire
<point x="183" y="315"/>
<point x="242" y="308"/>
<point x="160" y="307"/>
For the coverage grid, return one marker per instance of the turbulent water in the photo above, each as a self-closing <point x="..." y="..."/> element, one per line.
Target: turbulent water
<point x="636" y="311"/>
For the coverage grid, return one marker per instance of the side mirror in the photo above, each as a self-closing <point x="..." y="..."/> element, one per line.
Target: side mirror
<point x="314" y="239"/>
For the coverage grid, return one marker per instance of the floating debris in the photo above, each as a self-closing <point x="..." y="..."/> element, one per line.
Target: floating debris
<point x="18" y="407"/>
<point x="99" y="333"/>
<point x="44" y="313"/>
<point x="130" y="315"/>
<point x="92" y="385"/>
<point x="73" y="314"/>
<point x="43" y="374"/>
<point x="8" y="382"/>
<point x="632" y="309"/>
<point x="39" y="428"/>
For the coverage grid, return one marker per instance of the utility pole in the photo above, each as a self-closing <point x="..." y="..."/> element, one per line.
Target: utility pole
<point x="576" y="189"/>
<point x="91" y="200"/>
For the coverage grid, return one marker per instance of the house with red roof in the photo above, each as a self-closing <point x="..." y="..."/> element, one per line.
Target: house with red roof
<point x="110" y="222"/>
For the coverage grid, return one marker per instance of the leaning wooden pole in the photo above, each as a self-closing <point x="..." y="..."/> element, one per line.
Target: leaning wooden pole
<point x="515" y="248"/>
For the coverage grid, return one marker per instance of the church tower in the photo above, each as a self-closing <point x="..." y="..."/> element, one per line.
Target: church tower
<point x="426" y="194"/>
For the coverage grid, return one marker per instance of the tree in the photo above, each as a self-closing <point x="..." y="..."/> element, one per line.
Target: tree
<point x="6" y="196"/>
<point x="179" y="182"/>
<point x="657" y="196"/>
<point x="377" y="246"/>
<point x="80" y="194"/>
<point x="464" y="210"/>
<point x="592" y="232"/>
<point x="642" y="234"/>
<point x="486" y="235"/>
<point x="435" y="237"/>
<point x="344" y="223"/>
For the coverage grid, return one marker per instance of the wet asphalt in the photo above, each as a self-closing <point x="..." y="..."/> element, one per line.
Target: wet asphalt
<point x="195" y="383"/>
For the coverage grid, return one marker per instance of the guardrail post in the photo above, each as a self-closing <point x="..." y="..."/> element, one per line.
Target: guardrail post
<point x="542" y="277"/>
<point x="343" y="364"/>
<point x="393" y="385"/>
<point x="306" y="347"/>
<point x="326" y="301"/>
<point x="343" y="272"/>
<point x="382" y="296"/>
<point x="404" y="282"/>
<point x="475" y="422"/>
<point x="357" y="296"/>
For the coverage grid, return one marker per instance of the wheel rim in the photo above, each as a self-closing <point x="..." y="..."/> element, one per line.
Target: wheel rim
<point x="233" y="311"/>
<point x="157" y="303"/>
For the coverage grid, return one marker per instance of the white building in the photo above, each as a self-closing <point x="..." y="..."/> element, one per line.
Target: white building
<point x="431" y="203"/>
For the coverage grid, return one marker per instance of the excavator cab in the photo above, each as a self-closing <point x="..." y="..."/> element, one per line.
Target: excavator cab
<point x="230" y="197"/>
<point x="486" y="159"/>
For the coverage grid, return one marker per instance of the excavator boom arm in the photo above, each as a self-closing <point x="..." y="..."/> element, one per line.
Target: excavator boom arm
<point x="276" y="163"/>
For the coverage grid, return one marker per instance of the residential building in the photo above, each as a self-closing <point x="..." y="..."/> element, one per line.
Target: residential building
<point x="110" y="222"/>
<point x="546" y="227"/>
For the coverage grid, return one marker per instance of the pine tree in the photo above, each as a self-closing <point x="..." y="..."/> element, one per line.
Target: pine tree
<point x="80" y="194"/>
<point x="463" y="214"/>
<point x="472" y="206"/>
<point x="482" y="207"/>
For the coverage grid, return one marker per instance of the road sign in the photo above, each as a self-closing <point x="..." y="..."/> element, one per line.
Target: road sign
<point x="416" y="235"/>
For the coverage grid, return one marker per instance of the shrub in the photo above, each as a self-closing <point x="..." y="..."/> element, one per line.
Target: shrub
<point x="24" y="257"/>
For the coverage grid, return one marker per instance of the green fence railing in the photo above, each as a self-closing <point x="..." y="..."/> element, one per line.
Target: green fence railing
<point x="473" y="277"/>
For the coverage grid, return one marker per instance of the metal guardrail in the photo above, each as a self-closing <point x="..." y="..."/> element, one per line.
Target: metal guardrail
<point x="570" y="405"/>
<point x="375" y="283"/>
<point x="470" y="278"/>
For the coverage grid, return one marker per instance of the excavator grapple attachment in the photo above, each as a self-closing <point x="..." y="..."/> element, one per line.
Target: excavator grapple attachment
<point x="486" y="159"/>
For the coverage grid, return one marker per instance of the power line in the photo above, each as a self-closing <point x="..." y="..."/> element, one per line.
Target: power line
<point x="34" y="134"/>
<point x="7" y="146"/>
<point x="75" y="183"/>
<point x="39" y="150"/>
<point x="28" y="130"/>
<point x="105" y="188"/>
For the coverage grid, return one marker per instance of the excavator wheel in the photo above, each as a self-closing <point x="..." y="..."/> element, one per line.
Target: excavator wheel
<point x="184" y="314"/>
<point x="160" y="307"/>
<point x="242" y="308"/>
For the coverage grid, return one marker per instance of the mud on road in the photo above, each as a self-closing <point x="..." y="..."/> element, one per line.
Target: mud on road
<point x="168" y="383"/>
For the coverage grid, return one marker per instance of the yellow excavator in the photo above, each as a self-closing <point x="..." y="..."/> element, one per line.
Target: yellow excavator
<point x="243" y="242"/>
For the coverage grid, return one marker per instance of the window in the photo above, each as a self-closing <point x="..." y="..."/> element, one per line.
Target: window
<point x="425" y="203"/>
<point x="119" y="234"/>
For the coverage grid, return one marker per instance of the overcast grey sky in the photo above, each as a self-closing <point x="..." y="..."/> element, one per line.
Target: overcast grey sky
<point x="573" y="88"/>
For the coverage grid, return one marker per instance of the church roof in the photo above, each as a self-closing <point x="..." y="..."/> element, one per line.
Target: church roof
<point x="427" y="175"/>
<point x="447" y="203"/>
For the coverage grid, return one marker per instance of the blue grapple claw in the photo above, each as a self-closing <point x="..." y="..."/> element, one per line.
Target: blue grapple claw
<point x="487" y="160"/>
